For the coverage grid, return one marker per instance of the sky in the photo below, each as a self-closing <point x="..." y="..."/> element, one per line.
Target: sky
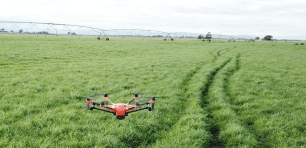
<point x="279" y="18"/>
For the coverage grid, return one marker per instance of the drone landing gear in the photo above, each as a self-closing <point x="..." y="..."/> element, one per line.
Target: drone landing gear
<point x="120" y="117"/>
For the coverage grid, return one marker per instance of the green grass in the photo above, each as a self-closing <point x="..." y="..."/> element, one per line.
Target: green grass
<point x="238" y="94"/>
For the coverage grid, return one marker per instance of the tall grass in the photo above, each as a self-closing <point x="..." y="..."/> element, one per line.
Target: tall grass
<point x="211" y="94"/>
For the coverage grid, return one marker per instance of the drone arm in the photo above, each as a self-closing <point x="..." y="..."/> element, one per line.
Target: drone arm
<point x="135" y="97"/>
<point x="131" y="101"/>
<point x="106" y="107"/>
<point x="103" y="110"/>
<point x="106" y="98"/>
<point x="136" y="110"/>
<point x="132" y="108"/>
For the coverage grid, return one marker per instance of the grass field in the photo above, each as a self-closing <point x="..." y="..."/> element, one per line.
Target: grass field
<point x="218" y="94"/>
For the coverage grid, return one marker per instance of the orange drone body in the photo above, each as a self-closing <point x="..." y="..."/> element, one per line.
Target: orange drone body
<point x="120" y="110"/>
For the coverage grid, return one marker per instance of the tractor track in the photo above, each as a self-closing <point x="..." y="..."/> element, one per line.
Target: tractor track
<point x="231" y="72"/>
<point x="217" y="54"/>
<point x="214" y="130"/>
<point x="179" y="104"/>
<point x="218" y="101"/>
<point x="186" y="93"/>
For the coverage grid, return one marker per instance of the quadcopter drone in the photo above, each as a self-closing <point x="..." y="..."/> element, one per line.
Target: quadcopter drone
<point x="120" y="110"/>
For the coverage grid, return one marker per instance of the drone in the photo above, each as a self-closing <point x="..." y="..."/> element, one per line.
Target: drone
<point x="120" y="110"/>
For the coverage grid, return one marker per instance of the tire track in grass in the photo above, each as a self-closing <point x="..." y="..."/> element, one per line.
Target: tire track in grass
<point x="227" y="128"/>
<point x="217" y="54"/>
<point x="231" y="72"/>
<point x="176" y="108"/>
<point x="191" y="130"/>
<point x="214" y="130"/>
<point x="192" y="120"/>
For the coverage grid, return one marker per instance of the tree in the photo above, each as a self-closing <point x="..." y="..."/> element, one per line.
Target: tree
<point x="2" y="30"/>
<point x="200" y="36"/>
<point x="208" y="36"/>
<point x="268" y="37"/>
<point x="20" y="31"/>
<point x="68" y="33"/>
<point x="257" y="38"/>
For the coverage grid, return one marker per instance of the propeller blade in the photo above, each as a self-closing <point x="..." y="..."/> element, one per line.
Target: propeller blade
<point x="139" y="93"/>
<point x="136" y="94"/>
<point x="153" y="98"/>
<point x="105" y="94"/>
<point x="156" y="97"/>
<point x="88" y="108"/>
<point x="138" y="103"/>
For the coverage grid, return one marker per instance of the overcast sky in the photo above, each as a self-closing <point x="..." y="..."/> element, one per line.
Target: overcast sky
<point x="280" y="18"/>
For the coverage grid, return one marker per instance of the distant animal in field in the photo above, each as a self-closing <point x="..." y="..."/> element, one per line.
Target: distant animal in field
<point x="165" y="39"/>
<point x="98" y="38"/>
<point x="172" y="39"/>
<point x="107" y="39"/>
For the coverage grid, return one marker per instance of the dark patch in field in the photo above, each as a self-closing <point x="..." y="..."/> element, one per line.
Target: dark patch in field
<point x="95" y="88"/>
<point x="30" y="111"/>
<point x="251" y="123"/>
<point x="268" y="111"/>
<point x="79" y="97"/>
<point x="261" y="141"/>
<point x="215" y="131"/>
<point x="127" y="87"/>
<point x="6" y="108"/>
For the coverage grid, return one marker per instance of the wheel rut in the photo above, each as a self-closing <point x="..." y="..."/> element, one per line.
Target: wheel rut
<point x="179" y="105"/>
<point x="187" y="100"/>
<point x="230" y="73"/>
<point x="227" y="129"/>
<point x="214" y="130"/>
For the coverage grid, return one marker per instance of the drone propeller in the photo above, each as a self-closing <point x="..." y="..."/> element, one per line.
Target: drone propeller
<point x="135" y="97"/>
<point x="105" y="94"/>
<point x="156" y="97"/>
<point x="153" y="98"/>
<point x="136" y="94"/>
